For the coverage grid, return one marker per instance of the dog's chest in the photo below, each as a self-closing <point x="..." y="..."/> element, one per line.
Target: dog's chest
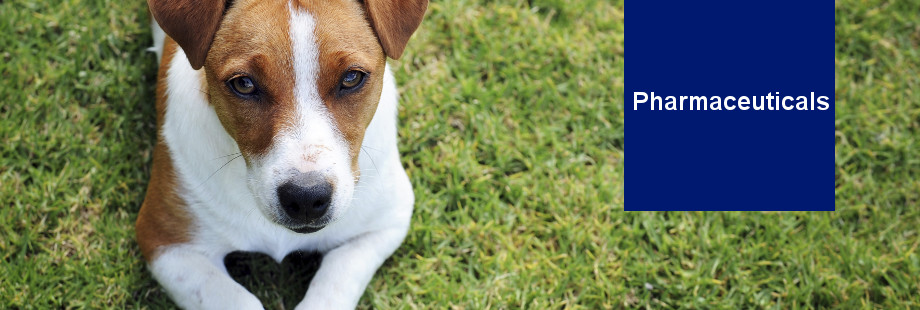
<point x="252" y="233"/>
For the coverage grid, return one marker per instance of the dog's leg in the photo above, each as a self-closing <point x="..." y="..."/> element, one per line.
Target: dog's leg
<point x="197" y="282"/>
<point x="346" y="270"/>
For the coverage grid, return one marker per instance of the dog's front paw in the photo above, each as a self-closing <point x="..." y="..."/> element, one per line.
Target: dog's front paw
<point x="332" y="301"/>
<point x="202" y="299"/>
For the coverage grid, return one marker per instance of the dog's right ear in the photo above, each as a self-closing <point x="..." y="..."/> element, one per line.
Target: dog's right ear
<point x="192" y="24"/>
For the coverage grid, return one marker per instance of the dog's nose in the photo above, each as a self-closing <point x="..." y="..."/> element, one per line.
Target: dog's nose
<point x="305" y="197"/>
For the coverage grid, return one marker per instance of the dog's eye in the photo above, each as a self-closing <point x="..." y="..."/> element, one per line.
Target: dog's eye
<point x="352" y="80"/>
<point x="242" y="85"/>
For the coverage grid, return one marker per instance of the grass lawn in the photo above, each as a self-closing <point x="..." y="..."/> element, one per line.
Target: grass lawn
<point x="512" y="133"/>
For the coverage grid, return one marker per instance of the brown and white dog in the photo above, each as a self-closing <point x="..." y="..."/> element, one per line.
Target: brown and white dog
<point x="277" y="133"/>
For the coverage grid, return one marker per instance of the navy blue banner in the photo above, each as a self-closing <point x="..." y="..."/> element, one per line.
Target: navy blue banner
<point x="749" y="132"/>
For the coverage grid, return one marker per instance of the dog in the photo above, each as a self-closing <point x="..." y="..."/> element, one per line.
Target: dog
<point x="276" y="133"/>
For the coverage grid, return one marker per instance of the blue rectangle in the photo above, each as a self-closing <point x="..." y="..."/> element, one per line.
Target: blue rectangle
<point x="729" y="160"/>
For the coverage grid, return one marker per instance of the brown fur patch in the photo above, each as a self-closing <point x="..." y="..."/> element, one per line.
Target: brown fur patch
<point x="346" y="40"/>
<point x="395" y="21"/>
<point x="163" y="219"/>
<point x="191" y="23"/>
<point x="253" y="40"/>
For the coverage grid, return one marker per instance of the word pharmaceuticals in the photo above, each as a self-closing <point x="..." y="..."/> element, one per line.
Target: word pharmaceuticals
<point x="769" y="102"/>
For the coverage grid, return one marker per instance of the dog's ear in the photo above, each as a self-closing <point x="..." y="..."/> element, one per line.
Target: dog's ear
<point x="192" y="24"/>
<point x="395" y="21"/>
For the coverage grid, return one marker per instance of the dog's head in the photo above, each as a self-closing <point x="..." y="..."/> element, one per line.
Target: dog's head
<point x="295" y="83"/>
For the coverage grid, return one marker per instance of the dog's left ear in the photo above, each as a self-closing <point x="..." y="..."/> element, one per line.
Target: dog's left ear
<point x="395" y="21"/>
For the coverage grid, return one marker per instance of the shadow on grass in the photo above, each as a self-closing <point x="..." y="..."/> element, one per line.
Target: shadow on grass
<point x="278" y="286"/>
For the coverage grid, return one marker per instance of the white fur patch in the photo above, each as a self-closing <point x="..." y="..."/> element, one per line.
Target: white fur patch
<point x="313" y="143"/>
<point x="225" y="206"/>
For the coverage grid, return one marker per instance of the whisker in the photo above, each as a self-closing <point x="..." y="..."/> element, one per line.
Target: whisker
<point x="372" y="149"/>
<point x="249" y="214"/>
<point x="218" y="170"/>
<point x="228" y="155"/>
<point x="370" y="157"/>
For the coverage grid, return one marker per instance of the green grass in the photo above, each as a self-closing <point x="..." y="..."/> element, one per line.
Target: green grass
<point x="512" y="133"/>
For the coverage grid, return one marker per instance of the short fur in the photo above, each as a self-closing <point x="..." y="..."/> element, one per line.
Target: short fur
<point x="220" y="157"/>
